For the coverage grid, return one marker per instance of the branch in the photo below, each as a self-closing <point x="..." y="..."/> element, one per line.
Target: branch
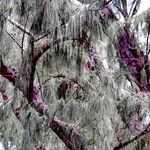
<point x="124" y="14"/>
<point x="147" y="44"/>
<point x="107" y="2"/>
<point x="23" y="36"/>
<point x="41" y="49"/>
<point x="26" y="80"/>
<point x="21" y="47"/>
<point x="21" y="27"/>
<point x="133" y="58"/>
<point x="17" y="113"/>
<point x="42" y="37"/>
<point x="107" y="16"/>
<point x="60" y="75"/>
<point x="70" y="137"/>
<point x="125" y="143"/>
<point x="65" y="132"/>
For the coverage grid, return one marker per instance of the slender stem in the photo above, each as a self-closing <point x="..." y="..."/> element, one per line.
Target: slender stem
<point x="13" y="39"/>
<point x="107" y="2"/>
<point x="125" y="143"/>
<point x="42" y="37"/>
<point x="21" y="27"/>
<point x="147" y="44"/>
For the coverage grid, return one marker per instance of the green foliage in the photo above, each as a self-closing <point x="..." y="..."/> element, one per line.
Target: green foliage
<point x="96" y="101"/>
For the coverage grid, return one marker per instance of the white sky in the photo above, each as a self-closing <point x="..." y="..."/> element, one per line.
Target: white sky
<point x="145" y="4"/>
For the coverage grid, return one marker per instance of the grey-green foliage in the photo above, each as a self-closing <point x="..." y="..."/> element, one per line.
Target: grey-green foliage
<point x="93" y="109"/>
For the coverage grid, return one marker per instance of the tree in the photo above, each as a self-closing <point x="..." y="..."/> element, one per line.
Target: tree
<point x="74" y="75"/>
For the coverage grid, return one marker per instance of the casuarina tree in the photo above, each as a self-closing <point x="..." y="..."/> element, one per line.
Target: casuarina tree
<point x="74" y="74"/>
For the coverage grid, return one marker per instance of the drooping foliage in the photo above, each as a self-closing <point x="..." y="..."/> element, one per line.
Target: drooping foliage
<point x="73" y="74"/>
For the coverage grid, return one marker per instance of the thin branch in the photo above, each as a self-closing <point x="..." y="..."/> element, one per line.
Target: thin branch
<point x="54" y="76"/>
<point x="13" y="39"/>
<point x="42" y="37"/>
<point x="134" y="8"/>
<point x="124" y="14"/>
<point x="125" y="143"/>
<point x="147" y="44"/>
<point x="40" y="84"/>
<point x="24" y="36"/>
<point x="107" y="2"/>
<point x="21" y="27"/>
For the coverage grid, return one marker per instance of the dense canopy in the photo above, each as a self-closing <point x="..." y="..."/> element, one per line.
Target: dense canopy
<point x="74" y="74"/>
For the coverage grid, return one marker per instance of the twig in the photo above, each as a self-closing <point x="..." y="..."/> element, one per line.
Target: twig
<point x="107" y="2"/>
<point x="42" y="37"/>
<point x="134" y="7"/>
<point x="147" y="44"/>
<point x="54" y="76"/>
<point x="131" y="7"/>
<point x="125" y="143"/>
<point x="40" y="85"/>
<point x="21" y="27"/>
<point x="121" y="11"/>
<point x="13" y="39"/>
<point x="24" y="36"/>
